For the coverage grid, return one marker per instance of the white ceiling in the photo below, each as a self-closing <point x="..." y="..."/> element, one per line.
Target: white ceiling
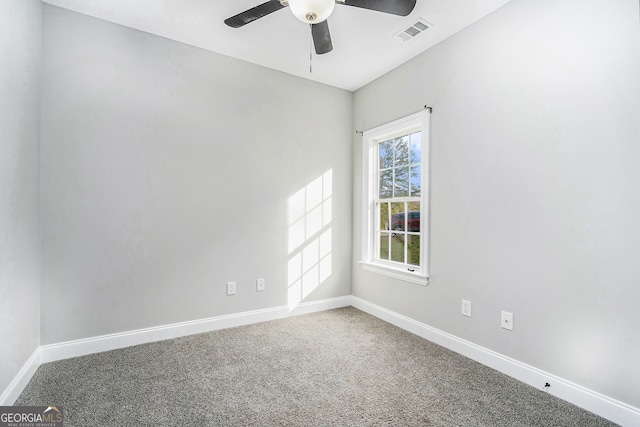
<point x="364" y="42"/>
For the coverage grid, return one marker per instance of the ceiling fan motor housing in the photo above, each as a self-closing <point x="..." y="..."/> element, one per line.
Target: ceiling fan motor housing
<point x="312" y="11"/>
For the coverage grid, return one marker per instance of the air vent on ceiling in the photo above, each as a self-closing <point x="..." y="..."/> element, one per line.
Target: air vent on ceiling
<point x="414" y="30"/>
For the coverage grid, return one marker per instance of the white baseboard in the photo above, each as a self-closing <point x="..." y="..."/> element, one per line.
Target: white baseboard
<point x="81" y="347"/>
<point x="599" y="404"/>
<point x="20" y="381"/>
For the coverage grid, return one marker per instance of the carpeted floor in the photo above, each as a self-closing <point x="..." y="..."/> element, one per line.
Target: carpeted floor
<point x="335" y="368"/>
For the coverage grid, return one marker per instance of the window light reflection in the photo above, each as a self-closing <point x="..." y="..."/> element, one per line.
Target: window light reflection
<point x="309" y="239"/>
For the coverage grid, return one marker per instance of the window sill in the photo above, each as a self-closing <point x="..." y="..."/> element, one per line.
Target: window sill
<point x="396" y="273"/>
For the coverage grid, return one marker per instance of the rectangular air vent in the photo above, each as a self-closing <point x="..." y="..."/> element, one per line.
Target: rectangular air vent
<point x="414" y="30"/>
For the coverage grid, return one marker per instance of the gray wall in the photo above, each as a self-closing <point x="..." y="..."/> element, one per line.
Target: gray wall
<point x="20" y="49"/>
<point x="535" y="175"/>
<point x="167" y="171"/>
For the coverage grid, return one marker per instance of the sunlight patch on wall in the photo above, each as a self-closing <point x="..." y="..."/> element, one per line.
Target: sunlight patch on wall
<point x="309" y="238"/>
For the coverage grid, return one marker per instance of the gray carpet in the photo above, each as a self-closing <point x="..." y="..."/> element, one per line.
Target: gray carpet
<point x="336" y="368"/>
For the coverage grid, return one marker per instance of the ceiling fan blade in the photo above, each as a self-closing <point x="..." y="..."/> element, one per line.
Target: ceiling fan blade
<point x="254" y="13"/>
<point x="321" y="37"/>
<point x="395" y="7"/>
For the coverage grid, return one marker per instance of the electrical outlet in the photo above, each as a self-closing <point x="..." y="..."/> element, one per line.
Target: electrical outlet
<point x="507" y="320"/>
<point x="466" y="308"/>
<point x="231" y="288"/>
<point x="259" y="285"/>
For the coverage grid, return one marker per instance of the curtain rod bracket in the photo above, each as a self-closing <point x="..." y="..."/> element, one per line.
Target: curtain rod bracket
<point x="360" y="132"/>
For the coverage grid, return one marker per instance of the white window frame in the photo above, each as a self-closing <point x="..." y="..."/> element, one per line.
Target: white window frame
<point x="370" y="140"/>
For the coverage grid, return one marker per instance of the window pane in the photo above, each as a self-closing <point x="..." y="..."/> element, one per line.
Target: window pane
<point x="386" y="154"/>
<point x="413" y="249"/>
<point x="384" y="216"/>
<point x="384" y="245"/>
<point x="386" y="184"/>
<point x="401" y="185"/>
<point x="398" y="216"/>
<point x="402" y="150"/>
<point x="413" y="216"/>
<point x="393" y="160"/>
<point x="416" y="147"/>
<point x="416" y="181"/>
<point x="397" y="247"/>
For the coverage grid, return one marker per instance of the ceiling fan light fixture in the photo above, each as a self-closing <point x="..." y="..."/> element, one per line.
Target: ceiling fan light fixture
<point x="312" y="11"/>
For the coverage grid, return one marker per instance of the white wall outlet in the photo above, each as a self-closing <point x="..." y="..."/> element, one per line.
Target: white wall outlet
<point x="507" y="320"/>
<point x="466" y="308"/>
<point x="231" y="288"/>
<point x="259" y="285"/>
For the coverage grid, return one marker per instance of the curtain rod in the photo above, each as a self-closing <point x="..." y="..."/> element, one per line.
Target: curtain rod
<point x="426" y="107"/>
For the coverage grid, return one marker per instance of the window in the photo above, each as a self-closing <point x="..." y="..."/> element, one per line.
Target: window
<point x="395" y="203"/>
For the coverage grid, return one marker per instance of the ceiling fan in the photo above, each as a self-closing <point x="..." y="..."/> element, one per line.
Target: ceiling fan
<point x="316" y="12"/>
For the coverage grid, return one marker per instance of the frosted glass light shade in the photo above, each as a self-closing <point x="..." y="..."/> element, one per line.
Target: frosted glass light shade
<point x="312" y="11"/>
